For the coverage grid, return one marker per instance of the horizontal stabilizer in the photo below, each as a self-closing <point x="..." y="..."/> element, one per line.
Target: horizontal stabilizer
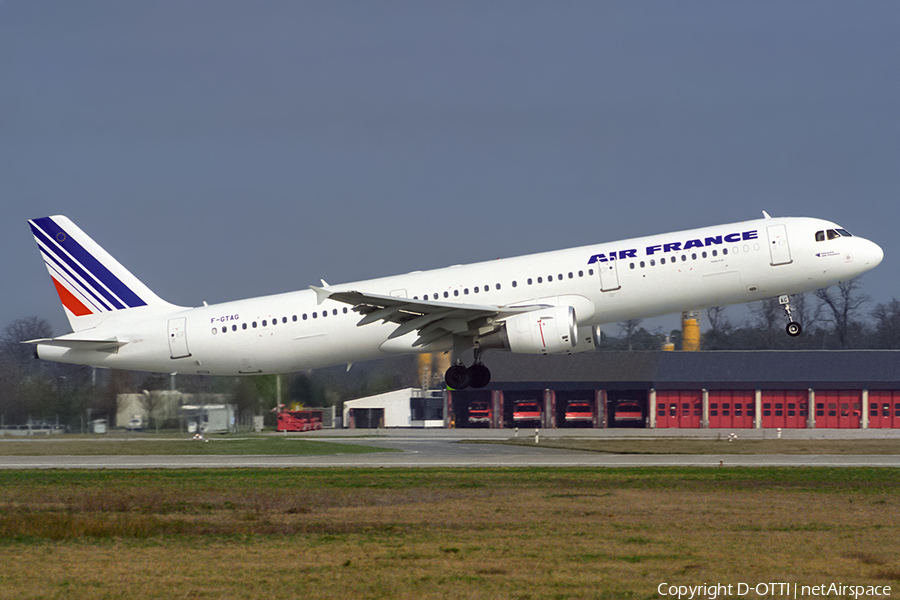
<point x="76" y="344"/>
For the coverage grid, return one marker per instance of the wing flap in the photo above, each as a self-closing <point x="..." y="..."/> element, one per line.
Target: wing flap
<point x="433" y="320"/>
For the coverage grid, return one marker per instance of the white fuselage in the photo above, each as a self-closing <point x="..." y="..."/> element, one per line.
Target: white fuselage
<point x="605" y="283"/>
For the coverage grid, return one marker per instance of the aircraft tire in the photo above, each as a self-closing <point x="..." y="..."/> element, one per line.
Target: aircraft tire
<point x="793" y="329"/>
<point x="479" y="375"/>
<point x="457" y="377"/>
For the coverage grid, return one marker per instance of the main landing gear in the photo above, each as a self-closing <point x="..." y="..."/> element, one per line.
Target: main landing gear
<point x="793" y="327"/>
<point x="459" y="377"/>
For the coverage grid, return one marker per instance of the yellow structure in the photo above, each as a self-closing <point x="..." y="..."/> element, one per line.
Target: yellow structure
<point x="690" y="331"/>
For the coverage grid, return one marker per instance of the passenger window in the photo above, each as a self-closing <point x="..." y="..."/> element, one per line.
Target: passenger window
<point x="662" y="261"/>
<point x="540" y="280"/>
<point x="498" y="286"/>
<point x="571" y="276"/>
<point x="684" y="258"/>
<point x="631" y="265"/>
<point x="466" y="292"/>
<point x="514" y="284"/>
<point x="715" y="253"/>
<point x="652" y="262"/>
<point x="446" y="294"/>
<point x="643" y="264"/>
<point x="549" y="277"/>
<point x="243" y="326"/>
<point x="529" y="281"/>
<point x="476" y="289"/>
<point x="455" y="293"/>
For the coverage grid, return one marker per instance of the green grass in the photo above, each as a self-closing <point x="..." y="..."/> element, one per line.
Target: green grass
<point x="708" y="446"/>
<point x="214" y="445"/>
<point x="441" y="533"/>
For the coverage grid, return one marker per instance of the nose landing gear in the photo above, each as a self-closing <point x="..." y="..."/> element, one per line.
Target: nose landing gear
<point x="793" y="327"/>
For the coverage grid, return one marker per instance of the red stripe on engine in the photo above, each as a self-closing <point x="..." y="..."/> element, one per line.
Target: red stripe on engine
<point x="72" y="303"/>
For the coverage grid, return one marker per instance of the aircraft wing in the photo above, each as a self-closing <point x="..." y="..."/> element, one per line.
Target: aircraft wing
<point x="432" y="320"/>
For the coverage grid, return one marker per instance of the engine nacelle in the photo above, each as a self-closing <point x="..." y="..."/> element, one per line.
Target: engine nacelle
<point x="547" y="330"/>
<point x="587" y="338"/>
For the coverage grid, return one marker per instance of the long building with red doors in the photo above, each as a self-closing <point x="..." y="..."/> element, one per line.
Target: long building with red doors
<point x="857" y="389"/>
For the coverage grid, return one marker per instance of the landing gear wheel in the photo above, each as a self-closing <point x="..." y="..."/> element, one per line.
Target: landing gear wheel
<point x="479" y="375"/>
<point x="793" y="327"/>
<point x="457" y="377"/>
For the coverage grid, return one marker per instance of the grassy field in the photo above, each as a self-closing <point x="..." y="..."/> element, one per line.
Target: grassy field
<point x="711" y="446"/>
<point x="441" y="533"/>
<point x="171" y="446"/>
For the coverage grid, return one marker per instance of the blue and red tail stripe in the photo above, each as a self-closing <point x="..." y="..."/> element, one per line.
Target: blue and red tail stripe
<point x="75" y="269"/>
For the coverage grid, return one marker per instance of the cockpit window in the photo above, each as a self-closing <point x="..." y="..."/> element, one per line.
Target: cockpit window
<point x="832" y="234"/>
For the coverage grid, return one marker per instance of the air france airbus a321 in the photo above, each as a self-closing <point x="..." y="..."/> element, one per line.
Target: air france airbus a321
<point x="547" y="303"/>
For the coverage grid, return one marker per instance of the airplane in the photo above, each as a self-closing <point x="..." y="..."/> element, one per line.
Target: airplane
<point x="547" y="303"/>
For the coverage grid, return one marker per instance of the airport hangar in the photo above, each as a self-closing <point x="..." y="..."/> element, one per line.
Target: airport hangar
<point x="723" y="389"/>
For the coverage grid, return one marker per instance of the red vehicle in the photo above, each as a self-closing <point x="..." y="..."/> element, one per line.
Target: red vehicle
<point x="480" y="413"/>
<point x="527" y="412"/>
<point x="628" y="412"/>
<point x="300" y="420"/>
<point x="579" y="412"/>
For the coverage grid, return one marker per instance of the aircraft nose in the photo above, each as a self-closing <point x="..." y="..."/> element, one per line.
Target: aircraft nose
<point x="874" y="254"/>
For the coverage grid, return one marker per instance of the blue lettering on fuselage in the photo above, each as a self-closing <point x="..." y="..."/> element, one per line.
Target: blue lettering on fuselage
<point x="618" y="255"/>
<point x="712" y="240"/>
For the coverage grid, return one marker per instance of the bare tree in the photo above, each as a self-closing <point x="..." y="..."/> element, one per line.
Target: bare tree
<point x="840" y="306"/>
<point x="716" y="337"/>
<point x="887" y="325"/>
<point x="628" y="329"/>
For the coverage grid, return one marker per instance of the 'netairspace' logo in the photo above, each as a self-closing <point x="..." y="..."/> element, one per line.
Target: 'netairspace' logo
<point x="772" y="590"/>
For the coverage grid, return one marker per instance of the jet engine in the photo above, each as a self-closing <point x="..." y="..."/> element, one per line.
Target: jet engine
<point x="549" y="330"/>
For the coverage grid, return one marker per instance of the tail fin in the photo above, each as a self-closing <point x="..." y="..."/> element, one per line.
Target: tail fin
<point x="91" y="284"/>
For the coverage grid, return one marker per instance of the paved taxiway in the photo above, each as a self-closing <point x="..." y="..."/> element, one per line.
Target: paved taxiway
<point x="449" y="448"/>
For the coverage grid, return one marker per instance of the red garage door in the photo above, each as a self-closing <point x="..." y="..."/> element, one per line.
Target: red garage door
<point x="884" y="409"/>
<point x="679" y="408"/>
<point x="785" y="408"/>
<point x="838" y="409"/>
<point x="732" y="408"/>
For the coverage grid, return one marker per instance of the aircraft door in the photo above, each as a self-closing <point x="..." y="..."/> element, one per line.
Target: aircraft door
<point x="178" y="347"/>
<point x="778" y="245"/>
<point x="609" y="276"/>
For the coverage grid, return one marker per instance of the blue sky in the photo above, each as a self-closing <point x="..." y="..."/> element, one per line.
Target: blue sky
<point x="232" y="149"/>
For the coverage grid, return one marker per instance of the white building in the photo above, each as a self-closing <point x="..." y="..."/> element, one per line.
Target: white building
<point x="409" y="407"/>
